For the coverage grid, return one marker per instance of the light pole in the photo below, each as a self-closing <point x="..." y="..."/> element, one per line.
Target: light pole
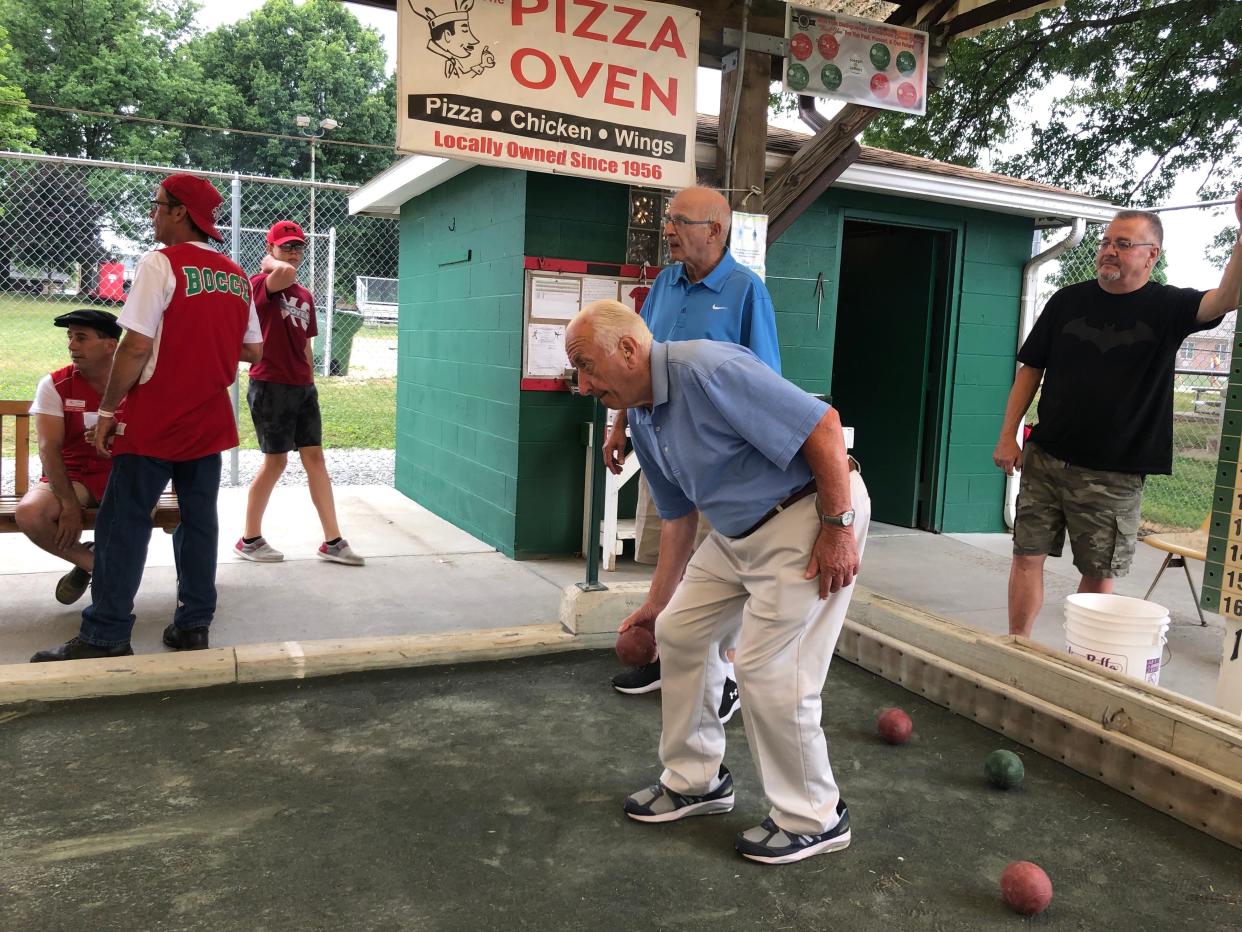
<point x="327" y="124"/>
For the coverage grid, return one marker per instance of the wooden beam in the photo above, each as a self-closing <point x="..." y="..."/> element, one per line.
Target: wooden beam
<point x="806" y="196"/>
<point x="1196" y="732"/>
<point x="1195" y="795"/>
<point x="120" y="676"/>
<point x="813" y="159"/>
<point x="749" y="149"/>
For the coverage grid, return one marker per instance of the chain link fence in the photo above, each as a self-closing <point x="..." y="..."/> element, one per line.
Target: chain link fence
<point x="1182" y="500"/>
<point x="71" y="234"/>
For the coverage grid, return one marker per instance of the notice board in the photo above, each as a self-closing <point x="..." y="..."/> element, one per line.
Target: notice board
<point x="556" y="290"/>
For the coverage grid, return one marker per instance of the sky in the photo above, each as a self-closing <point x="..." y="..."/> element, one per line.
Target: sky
<point x="1187" y="232"/>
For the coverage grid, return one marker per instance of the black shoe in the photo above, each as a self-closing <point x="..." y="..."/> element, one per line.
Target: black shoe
<point x="73" y="585"/>
<point x="730" y="701"/>
<point x="185" y="638"/>
<point x="644" y="679"/>
<point x="77" y="649"/>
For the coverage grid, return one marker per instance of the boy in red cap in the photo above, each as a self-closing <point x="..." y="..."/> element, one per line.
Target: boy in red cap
<point x="188" y="322"/>
<point x="284" y="403"/>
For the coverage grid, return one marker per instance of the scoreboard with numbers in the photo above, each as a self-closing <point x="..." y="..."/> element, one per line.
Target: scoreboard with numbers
<point x="1222" y="577"/>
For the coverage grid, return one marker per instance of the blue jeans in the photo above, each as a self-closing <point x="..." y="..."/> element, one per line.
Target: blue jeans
<point x="123" y="533"/>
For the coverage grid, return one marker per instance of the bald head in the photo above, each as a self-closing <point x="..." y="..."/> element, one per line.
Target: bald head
<point x="697" y="230"/>
<point x="610" y="346"/>
<point x="605" y="323"/>
<point x="705" y="204"/>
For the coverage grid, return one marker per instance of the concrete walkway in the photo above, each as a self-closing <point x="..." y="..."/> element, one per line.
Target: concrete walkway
<point x="424" y="576"/>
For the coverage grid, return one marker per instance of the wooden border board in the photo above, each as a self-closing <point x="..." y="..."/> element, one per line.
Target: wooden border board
<point x="1174" y="754"/>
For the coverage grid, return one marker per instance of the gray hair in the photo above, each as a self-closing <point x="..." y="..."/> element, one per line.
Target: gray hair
<point x="610" y="321"/>
<point x="1152" y="220"/>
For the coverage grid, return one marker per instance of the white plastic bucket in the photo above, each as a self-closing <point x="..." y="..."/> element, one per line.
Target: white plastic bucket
<point x="1117" y="632"/>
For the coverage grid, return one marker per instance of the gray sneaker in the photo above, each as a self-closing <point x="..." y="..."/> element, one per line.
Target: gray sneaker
<point x="657" y="803"/>
<point x="768" y="843"/>
<point x="340" y="552"/>
<point x="260" y="551"/>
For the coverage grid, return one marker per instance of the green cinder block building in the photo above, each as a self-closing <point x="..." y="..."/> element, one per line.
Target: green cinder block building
<point x="912" y="334"/>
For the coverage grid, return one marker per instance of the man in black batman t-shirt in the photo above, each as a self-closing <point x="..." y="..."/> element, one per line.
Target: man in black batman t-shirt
<point x="1105" y="351"/>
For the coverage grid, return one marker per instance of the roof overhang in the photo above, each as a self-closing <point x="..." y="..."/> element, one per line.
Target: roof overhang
<point x="416" y="174"/>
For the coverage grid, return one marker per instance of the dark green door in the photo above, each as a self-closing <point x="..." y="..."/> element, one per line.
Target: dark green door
<point x="886" y="382"/>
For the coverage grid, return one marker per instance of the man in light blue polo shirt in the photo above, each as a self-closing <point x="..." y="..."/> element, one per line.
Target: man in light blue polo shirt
<point x="704" y="294"/>
<point x="718" y="431"/>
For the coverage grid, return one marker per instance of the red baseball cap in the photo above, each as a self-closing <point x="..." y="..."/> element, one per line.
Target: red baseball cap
<point x="285" y="231"/>
<point x="200" y="198"/>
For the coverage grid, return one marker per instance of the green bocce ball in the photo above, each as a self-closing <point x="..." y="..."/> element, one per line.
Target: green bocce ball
<point x="797" y="76"/>
<point x="1004" y="769"/>
<point x="906" y="62"/>
<point x="880" y="56"/>
<point x="830" y="75"/>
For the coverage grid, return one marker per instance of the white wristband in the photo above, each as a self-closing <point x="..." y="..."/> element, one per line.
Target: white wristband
<point x="111" y="415"/>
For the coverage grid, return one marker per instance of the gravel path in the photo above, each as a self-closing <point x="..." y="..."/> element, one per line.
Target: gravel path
<point x="347" y="467"/>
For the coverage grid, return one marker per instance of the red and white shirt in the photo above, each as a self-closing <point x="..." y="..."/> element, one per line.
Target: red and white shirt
<point x="66" y="394"/>
<point x="288" y="321"/>
<point x="195" y="304"/>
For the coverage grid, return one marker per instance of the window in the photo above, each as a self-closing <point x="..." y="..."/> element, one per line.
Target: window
<point x="644" y="243"/>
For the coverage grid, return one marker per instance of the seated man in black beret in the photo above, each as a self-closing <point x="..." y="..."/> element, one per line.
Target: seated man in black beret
<point x="74" y="475"/>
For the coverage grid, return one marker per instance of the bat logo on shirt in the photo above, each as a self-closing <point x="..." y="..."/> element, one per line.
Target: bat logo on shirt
<point x="1109" y="336"/>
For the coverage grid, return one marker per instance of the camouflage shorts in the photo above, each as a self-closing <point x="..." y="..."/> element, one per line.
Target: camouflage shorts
<point x="1099" y="509"/>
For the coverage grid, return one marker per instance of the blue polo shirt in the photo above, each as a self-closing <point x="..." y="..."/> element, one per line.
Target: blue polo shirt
<point x="724" y="434"/>
<point x="731" y="304"/>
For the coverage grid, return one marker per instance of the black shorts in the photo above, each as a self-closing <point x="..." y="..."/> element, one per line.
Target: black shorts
<point x="286" y="417"/>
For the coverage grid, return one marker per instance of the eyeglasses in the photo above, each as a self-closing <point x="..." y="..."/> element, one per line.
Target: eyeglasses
<point x="157" y="204"/>
<point x="1121" y="245"/>
<point x="679" y="221"/>
<point x="292" y="247"/>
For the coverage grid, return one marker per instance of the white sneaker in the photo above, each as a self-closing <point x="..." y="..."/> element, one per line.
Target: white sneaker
<point x="260" y="551"/>
<point x="340" y="552"/>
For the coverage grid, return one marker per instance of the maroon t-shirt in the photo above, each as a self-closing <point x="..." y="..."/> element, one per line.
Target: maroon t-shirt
<point x="288" y="321"/>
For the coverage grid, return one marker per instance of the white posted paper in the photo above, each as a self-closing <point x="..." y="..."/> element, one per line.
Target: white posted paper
<point x="555" y="298"/>
<point x="545" y="350"/>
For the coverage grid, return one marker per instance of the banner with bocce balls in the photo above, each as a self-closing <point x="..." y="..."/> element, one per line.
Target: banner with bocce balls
<point x="579" y="87"/>
<point x="856" y="60"/>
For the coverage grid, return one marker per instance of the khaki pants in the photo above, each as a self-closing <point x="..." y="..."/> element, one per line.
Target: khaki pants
<point x="85" y="498"/>
<point x="647" y="526"/>
<point x="751" y="590"/>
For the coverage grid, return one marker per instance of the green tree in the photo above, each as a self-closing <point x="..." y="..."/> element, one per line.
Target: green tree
<point x="49" y="221"/>
<point x="285" y="60"/>
<point x="17" y="130"/>
<point x="1141" y="91"/>
<point x="110" y="56"/>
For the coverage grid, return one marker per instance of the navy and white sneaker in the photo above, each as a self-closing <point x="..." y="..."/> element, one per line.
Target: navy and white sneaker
<point x="768" y="843"/>
<point x="658" y="803"/>
<point x="730" y="701"/>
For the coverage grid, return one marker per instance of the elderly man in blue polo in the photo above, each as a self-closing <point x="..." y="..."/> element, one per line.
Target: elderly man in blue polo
<point x="717" y="431"/>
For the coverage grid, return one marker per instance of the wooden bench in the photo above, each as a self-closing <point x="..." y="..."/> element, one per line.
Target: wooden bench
<point x="167" y="513"/>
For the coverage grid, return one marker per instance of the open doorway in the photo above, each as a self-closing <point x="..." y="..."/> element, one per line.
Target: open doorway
<point x="889" y="369"/>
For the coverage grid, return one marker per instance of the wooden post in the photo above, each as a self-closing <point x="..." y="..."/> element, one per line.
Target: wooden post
<point x="750" y="142"/>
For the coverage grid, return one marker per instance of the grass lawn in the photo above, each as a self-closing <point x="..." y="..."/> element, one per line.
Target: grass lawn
<point x="1183" y="499"/>
<point x="357" y="413"/>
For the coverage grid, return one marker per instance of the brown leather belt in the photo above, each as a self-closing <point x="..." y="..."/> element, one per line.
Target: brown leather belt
<point x="808" y="489"/>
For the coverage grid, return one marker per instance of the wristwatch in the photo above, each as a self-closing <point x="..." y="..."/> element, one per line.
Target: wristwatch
<point x="844" y="519"/>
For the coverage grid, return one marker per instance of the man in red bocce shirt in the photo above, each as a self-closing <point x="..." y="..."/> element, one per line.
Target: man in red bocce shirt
<point x="74" y="475"/>
<point x="189" y="320"/>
